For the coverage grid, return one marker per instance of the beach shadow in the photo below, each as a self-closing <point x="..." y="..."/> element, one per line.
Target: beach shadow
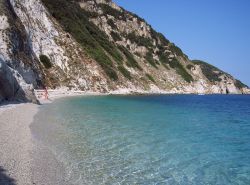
<point x="5" y="179"/>
<point x="7" y="103"/>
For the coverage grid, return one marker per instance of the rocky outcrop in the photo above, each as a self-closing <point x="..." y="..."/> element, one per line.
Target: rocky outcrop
<point x="9" y="86"/>
<point x="11" y="89"/>
<point x="20" y="72"/>
<point x="71" y="67"/>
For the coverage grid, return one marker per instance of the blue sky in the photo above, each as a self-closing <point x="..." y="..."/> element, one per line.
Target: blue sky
<point x="216" y="31"/>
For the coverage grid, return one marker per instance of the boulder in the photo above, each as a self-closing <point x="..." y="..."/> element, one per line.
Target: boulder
<point x="9" y="87"/>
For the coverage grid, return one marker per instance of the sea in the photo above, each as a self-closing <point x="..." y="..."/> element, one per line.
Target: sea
<point x="148" y="139"/>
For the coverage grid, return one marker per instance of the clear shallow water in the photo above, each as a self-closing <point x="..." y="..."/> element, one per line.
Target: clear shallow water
<point x="175" y="139"/>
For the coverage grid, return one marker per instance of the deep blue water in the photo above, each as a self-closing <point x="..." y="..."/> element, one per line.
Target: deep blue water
<point x="165" y="139"/>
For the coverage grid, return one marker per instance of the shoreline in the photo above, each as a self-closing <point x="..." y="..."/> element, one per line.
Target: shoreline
<point x="62" y="93"/>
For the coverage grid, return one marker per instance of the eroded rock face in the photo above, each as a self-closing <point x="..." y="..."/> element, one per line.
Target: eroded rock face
<point x="20" y="72"/>
<point x="9" y="87"/>
<point x="71" y="66"/>
<point x="7" y="84"/>
<point x="13" y="87"/>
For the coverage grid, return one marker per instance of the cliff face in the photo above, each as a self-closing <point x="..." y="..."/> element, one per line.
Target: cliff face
<point x="95" y="45"/>
<point x="20" y="71"/>
<point x="165" y="62"/>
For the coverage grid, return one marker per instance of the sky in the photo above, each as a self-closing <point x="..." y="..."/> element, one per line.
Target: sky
<point x="215" y="31"/>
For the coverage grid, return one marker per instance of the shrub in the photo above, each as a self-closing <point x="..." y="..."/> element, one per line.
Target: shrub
<point x="112" y="24"/>
<point x="150" y="77"/>
<point x="160" y="38"/>
<point x="131" y="62"/>
<point x="175" y="64"/>
<point x="163" y="57"/>
<point x="45" y="61"/>
<point x="240" y="85"/>
<point x="150" y="60"/>
<point x="176" y="50"/>
<point x="108" y="10"/>
<point x="139" y="40"/>
<point x="91" y="14"/>
<point x="110" y="72"/>
<point x="125" y="72"/>
<point x="139" y="19"/>
<point x="115" y="36"/>
<point x="212" y="73"/>
<point x="190" y="66"/>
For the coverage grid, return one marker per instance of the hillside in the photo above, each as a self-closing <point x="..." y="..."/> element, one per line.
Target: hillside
<point x="94" y="45"/>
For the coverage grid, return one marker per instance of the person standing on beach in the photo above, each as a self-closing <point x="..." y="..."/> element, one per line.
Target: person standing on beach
<point x="46" y="93"/>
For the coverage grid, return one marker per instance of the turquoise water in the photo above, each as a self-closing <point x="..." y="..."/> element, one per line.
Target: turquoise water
<point x="174" y="139"/>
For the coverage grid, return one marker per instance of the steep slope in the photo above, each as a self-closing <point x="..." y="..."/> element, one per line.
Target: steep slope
<point x="135" y="51"/>
<point x="19" y="69"/>
<point x="35" y="52"/>
<point x="94" y="45"/>
<point x="70" y="66"/>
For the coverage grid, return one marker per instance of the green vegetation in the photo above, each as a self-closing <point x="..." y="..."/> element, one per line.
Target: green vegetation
<point x="190" y="66"/>
<point x="139" y="40"/>
<point x="131" y="62"/>
<point x="108" y="10"/>
<point x="115" y="36"/>
<point x="163" y="39"/>
<point x="125" y="72"/>
<point x="45" y="61"/>
<point x="112" y="24"/>
<point x="91" y="14"/>
<point x="212" y="73"/>
<point x="122" y="15"/>
<point x="75" y="21"/>
<point x="150" y="59"/>
<point x="240" y="85"/>
<point x="175" y="64"/>
<point x="139" y="19"/>
<point x="163" y="57"/>
<point x="150" y="77"/>
<point x="159" y="37"/>
<point x="176" y="50"/>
